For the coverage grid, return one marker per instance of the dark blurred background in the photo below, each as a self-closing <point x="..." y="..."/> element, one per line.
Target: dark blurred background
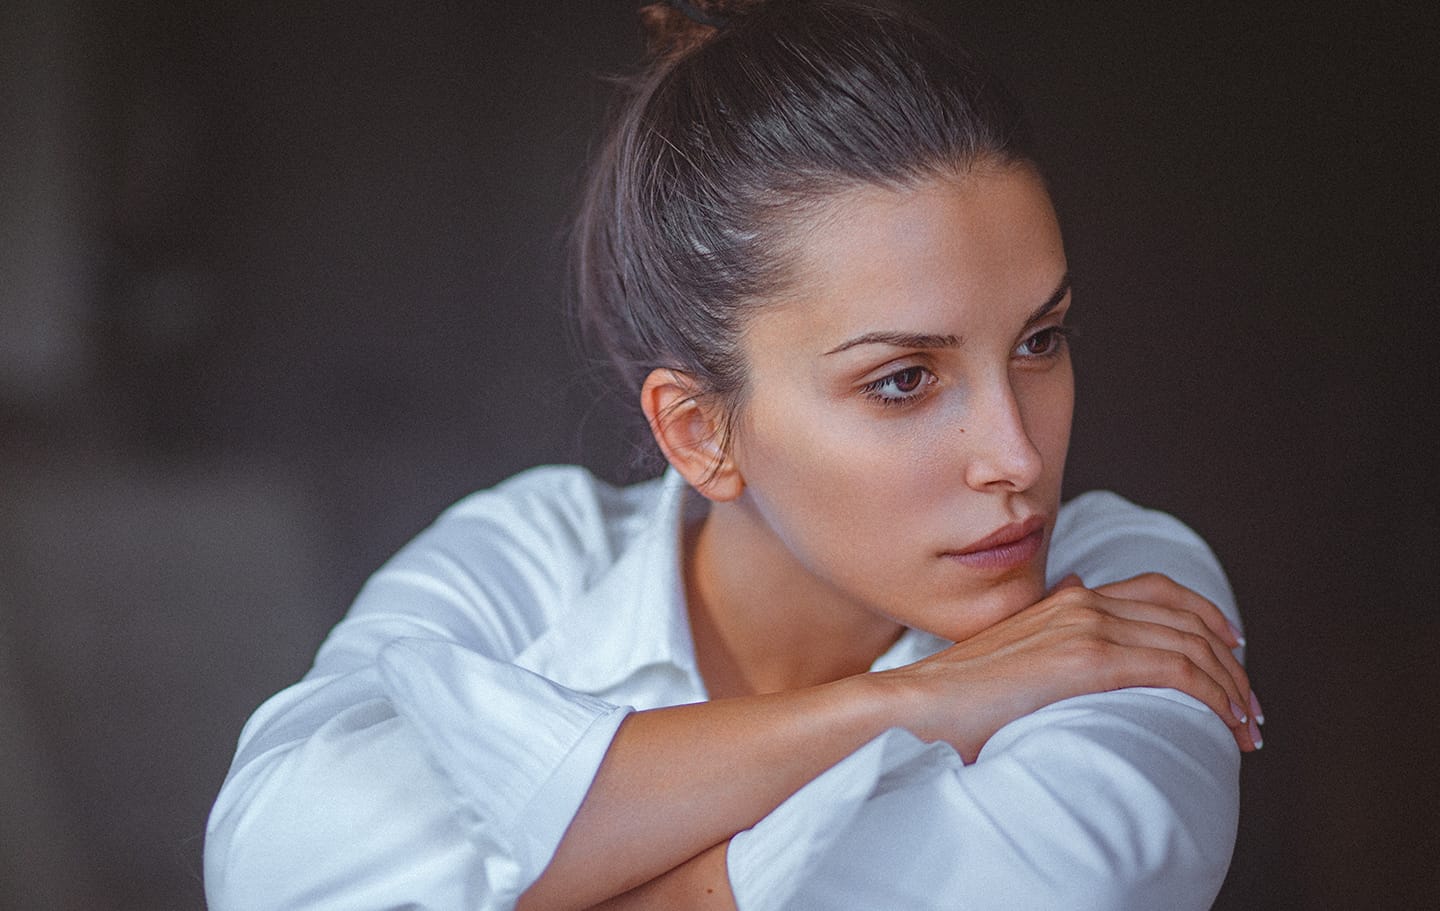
<point x="279" y="281"/>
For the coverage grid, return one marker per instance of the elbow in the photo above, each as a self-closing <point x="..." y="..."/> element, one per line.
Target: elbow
<point x="277" y="840"/>
<point x="1144" y="814"/>
<point x="309" y="827"/>
<point x="247" y="843"/>
<point x="1180" y="863"/>
<point x="1148" y="841"/>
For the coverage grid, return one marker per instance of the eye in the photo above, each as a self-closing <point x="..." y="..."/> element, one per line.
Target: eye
<point x="1046" y="343"/>
<point x="901" y="387"/>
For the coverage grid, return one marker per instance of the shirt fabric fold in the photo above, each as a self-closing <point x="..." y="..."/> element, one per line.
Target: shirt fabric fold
<point x="436" y="752"/>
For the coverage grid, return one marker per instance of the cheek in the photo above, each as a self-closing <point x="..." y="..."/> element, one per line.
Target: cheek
<point x="842" y="493"/>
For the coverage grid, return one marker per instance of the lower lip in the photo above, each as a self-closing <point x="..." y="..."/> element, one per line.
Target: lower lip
<point x="1006" y="556"/>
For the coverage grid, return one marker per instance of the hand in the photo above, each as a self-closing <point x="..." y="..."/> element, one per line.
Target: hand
<point x="1161" y="589"/>
<point x="1145" y="631"/>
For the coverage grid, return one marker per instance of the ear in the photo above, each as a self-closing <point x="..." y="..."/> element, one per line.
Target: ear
<point x="689" y="430"/>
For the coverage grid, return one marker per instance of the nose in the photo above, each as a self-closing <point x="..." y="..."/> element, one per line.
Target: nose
<point x="1001" y="453"/>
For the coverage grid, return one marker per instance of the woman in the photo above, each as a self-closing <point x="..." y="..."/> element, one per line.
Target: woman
<point x="841" y="655"/>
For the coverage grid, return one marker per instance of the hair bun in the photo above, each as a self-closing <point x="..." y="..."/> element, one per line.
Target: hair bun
<point x="676" y="27"/>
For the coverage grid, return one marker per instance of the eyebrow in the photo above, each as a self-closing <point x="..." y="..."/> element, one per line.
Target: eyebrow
<point x="1053" y="300"/>
<point x="920" y="340"/>
<point x="898" y="340"/>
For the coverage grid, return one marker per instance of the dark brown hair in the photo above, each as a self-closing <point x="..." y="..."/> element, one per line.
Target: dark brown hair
<point x="731" y="136"/>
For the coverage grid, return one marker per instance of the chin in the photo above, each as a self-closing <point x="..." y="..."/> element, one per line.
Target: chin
<point x="969" y="615"/>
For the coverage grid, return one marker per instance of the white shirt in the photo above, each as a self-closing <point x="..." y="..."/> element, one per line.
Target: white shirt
<point x="453" y="721"/>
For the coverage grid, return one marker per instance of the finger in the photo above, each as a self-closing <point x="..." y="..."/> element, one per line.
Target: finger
<point x="1255" y="709"/>
<point x="1197" y="648"/>
<point x="1189" y="622"/>
<point x="1174" y="670"/>
<point x="1161" y="589"/>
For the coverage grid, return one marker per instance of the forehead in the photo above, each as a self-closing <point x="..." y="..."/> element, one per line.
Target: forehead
<point x="947" y="255"/>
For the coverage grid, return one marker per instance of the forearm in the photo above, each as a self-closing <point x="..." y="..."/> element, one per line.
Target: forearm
<point x="677" y="782"/>
<point x="701" y="883"/>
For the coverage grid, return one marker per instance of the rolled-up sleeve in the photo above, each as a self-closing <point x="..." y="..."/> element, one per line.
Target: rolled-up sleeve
<point x="1119" y="800"/>
<point x="441" y="779"/>
<point x="1122" y="800"/>
<point x="417" y="765"/>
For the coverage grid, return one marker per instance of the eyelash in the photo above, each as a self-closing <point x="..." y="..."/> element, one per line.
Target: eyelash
<point x="1058" y="335"/>
<point x="872" y="390"/>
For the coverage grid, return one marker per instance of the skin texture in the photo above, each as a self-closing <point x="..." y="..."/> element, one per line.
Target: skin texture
<point x="850" y="500"/>
<point x="835" y="522"/>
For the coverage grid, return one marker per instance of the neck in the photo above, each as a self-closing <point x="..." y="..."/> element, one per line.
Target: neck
<point x="761" y="621"/>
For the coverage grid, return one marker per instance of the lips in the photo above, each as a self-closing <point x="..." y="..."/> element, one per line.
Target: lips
<point x="1013" y="545"/>
<point x="1007" y="535"/>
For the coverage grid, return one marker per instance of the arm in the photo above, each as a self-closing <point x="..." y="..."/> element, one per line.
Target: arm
<point x="1109" y="800"/>
<point x="426" y="772"/>
<point x="419" y="764"/>
<point x="1006" y="811"/>
<point x="702" y="883"/>
<point x="1064" y="646"/>
<point x="1123" y="799"/>
<point x="410" y="765"/>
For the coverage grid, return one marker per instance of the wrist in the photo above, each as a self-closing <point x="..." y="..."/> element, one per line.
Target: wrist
<point x="931" y="705"/>
<point x="880" y="700"/>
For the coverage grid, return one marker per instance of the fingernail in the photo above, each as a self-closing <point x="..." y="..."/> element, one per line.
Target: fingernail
<point x="1238" y="712"/>
<point x="1255" y="707"/>
<point x="1235" y="630"/>
<point x="1255" y="734"/>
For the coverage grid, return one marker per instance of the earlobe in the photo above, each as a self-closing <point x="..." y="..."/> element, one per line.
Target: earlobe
<point x="690" y="432"/>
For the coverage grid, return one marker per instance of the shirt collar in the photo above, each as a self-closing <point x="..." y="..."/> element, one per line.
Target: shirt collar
<point x="633" y="615"/>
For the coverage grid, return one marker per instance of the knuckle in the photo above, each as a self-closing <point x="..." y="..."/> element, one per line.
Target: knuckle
<point x="1197" y="641"/>
<point x="1194" y="624"/>
<point x="1089" y="653"/>
<point x="1158" y="585"/>
<point x="1076" y="611"/>
<point x="1090" y="621"/>
<point x="1207" y="612"/>
<point x="1070" y="598"/>
<point x="1181" y="667"/>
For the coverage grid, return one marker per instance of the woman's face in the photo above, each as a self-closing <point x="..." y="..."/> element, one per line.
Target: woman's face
<point x="908" y="406"/>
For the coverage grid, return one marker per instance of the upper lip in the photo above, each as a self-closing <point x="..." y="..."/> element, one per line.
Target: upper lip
<point x="1006" y="535"/>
